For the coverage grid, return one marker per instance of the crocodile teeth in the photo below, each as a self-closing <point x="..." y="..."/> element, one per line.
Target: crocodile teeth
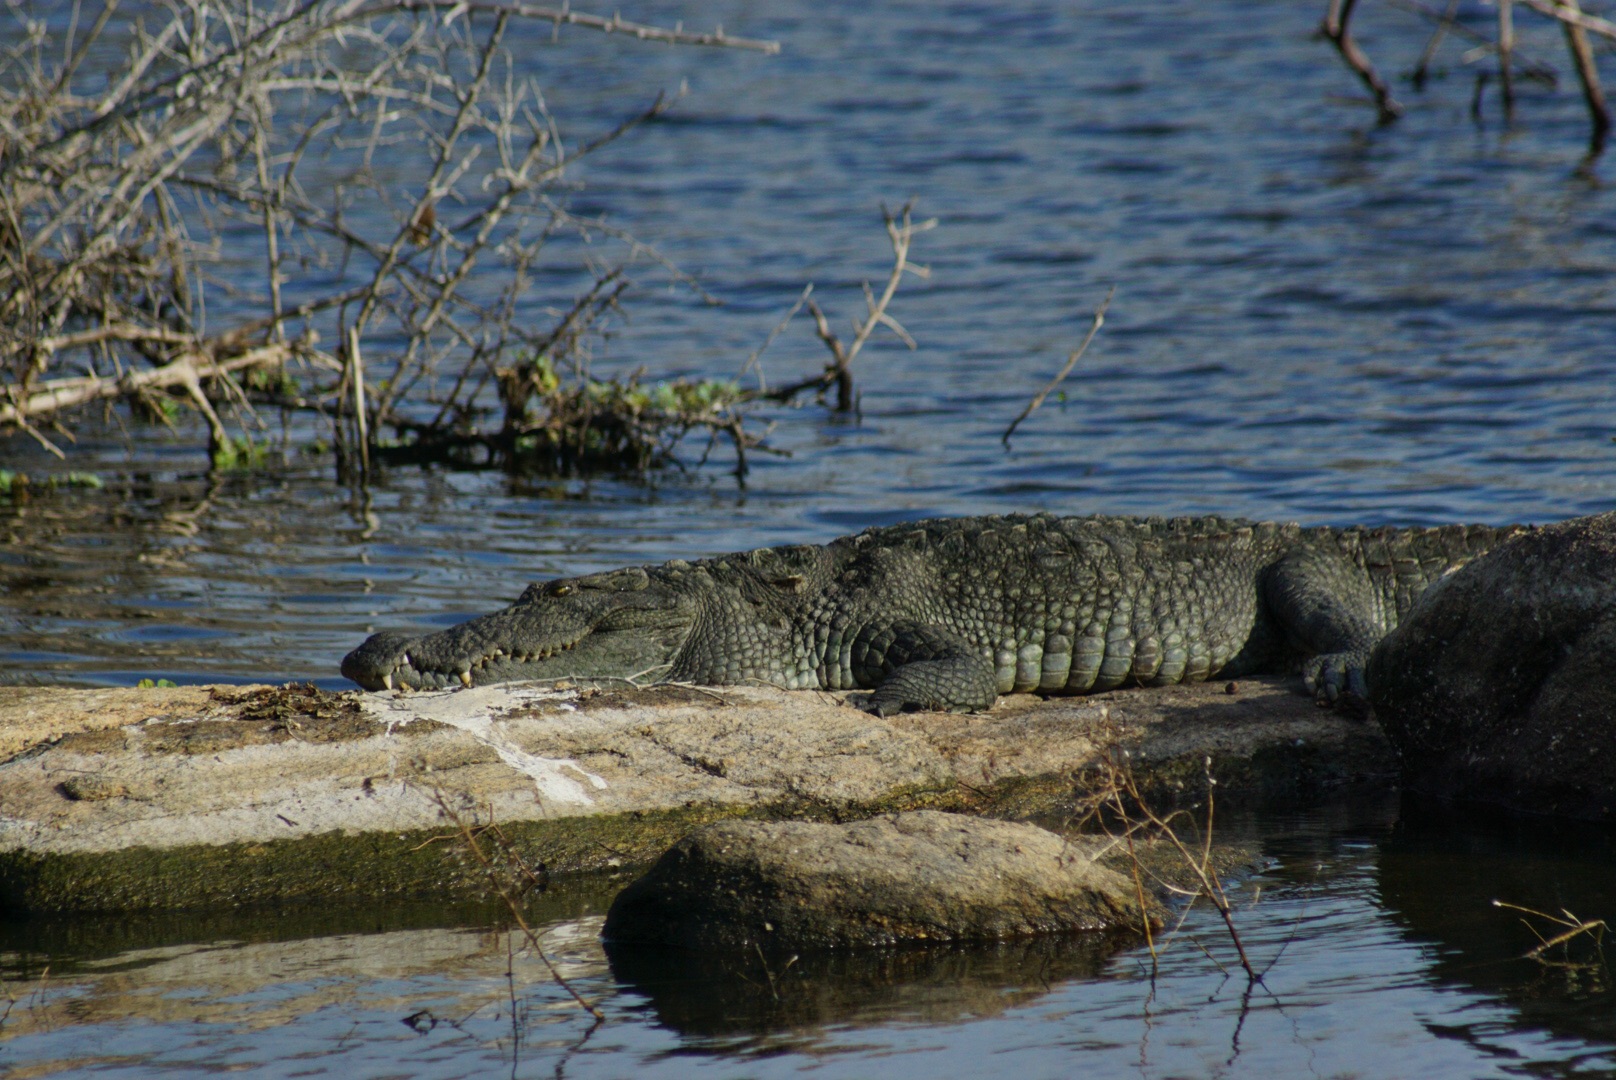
<point x="387" y="680"/>
<point x="465" y="678"/>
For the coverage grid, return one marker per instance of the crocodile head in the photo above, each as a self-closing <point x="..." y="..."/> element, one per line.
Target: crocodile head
<point x="621" y="624"/>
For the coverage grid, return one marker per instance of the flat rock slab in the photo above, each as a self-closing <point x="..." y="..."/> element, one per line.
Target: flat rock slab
<point x="129" y="799"/>
<point x="919" y="876"/>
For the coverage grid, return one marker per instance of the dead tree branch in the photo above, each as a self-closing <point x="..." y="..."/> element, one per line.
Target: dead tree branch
<point x="1447" y="24"/>
<point x="1506" y="53"/>
<point x="901" y="230"/>
<point x="1570" y="12"/>
<point x="1577" y="27"/>
<point x="615" y="25"/>
<point x="187" y="369"/>
<point x="1066" y="369"/>
<point x="149" y="155"/>
<point x="1443" y="22"/>
<point x="1336" y="27"/>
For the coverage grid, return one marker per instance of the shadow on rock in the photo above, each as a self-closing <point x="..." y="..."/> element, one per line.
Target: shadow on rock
<point x="1496" y="688"/>
<point x="1440" y="874"/>
<point x="736" y="993"/>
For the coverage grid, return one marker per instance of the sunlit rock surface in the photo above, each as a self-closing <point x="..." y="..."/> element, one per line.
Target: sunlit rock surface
<point x="919" y="876"/>
<point x="129" y="799"/>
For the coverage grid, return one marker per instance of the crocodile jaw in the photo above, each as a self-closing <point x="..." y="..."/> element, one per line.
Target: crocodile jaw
<point x="581" y="634"/>
<point x="387" y="661"/>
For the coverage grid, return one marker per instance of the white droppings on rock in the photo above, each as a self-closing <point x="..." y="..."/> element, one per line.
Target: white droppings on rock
<point x="477" y="711"/>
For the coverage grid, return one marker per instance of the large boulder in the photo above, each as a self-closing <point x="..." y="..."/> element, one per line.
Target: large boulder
<point x="920" y="876"/>
<point x="1499" y="685"/>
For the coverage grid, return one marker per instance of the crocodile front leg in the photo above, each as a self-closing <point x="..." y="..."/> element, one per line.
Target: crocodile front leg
<point x="915" y="666"/>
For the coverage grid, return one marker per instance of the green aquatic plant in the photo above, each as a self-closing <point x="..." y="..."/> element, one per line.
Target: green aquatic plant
<point x="14" y="483"/>
<point x="239" y="454"/>
<point x="560" y="421"/>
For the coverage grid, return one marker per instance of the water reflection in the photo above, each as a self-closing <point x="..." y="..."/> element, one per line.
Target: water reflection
<point x="1442" y="870"/>
<point x="719" y="994"/>
<point x="274" y="966"/>
<point x="1419" y="981"/>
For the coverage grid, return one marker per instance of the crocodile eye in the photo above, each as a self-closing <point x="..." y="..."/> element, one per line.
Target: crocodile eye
<point x="560" y="590"/>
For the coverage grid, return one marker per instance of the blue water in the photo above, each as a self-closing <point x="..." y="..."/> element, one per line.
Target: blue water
<point x="1379" y="959"/>
<point x="1315" y="319"/>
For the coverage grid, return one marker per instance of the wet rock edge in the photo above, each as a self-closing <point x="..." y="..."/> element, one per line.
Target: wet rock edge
<point x="339" y="866"/>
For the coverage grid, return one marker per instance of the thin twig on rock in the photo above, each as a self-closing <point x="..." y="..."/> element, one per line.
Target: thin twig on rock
<point x="1119" y="790"/>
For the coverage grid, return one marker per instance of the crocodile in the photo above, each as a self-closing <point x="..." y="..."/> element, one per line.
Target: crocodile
<point x="949" y="613"/>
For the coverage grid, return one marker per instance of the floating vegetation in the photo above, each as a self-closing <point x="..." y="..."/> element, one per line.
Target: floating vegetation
<point x="18" y="484"/>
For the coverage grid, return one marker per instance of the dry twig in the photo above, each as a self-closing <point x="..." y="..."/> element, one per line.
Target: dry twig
<point x="1337" y="18"/>
<point x="1577" y="27"/>
<point x="901" y="230"/>
<point x="135" y="165"/>
<point x="1066" y="369"/>
<point x="1594" y="929"/>
<point x="500" y="880"/>
<point x="1117" y="793"/>
<point x="1446" y="23"/>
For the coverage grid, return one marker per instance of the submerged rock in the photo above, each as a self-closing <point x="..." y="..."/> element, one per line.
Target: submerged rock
<point x="1498" y="686"/>
<point x="920" y="876"/>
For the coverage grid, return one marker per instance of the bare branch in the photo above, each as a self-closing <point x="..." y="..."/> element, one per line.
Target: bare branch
<point x="614" y="25"/>
<point x="1066" y="369"/>
<point x="1336" y="20"/>
<point x="1571" y="13"/>
<point x="779" y="327"/>
<point x="1576" y="26"/>
<point x="901" y="231"/>
<point x="64" y="393"/>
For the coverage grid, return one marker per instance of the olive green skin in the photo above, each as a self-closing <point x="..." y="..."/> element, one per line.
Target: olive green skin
<point x="951" y="612"/>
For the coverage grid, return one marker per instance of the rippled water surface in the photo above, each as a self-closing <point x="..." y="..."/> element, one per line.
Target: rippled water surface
<point x="1315" y="320"/>
<point x="1382" y="955"/>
